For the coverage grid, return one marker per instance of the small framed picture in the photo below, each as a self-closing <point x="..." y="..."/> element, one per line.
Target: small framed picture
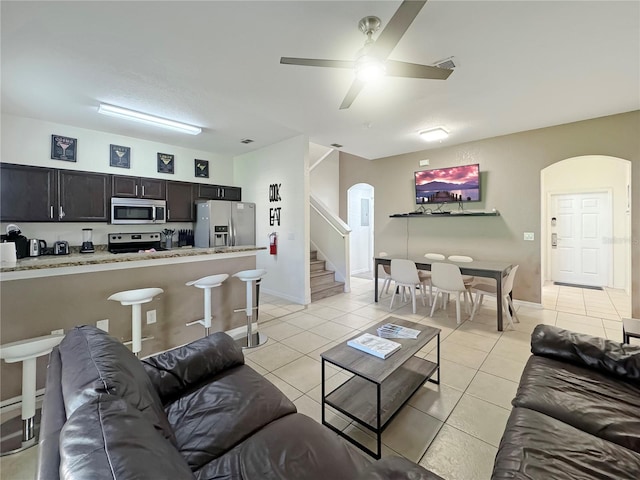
<point x="63" y="148"/>
<point x="202" y="168"/>
<point x="119" y="156"/>
<point x="165" y="163"/>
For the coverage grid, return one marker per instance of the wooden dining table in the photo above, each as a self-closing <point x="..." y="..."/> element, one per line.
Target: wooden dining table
<point x="496" y="270"/>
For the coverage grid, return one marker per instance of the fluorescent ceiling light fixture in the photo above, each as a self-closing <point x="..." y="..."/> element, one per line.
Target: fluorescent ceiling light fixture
<point x="434" y="134"/>
<point x="120" y="112"/>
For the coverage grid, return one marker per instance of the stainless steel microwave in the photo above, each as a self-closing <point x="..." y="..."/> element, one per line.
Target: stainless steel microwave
<point x="135" y="211"/>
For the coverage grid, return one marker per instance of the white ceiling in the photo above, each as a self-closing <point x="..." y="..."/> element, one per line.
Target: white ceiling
<point x="521" y="65"/>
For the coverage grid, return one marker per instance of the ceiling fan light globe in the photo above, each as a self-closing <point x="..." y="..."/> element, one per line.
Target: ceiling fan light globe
<point x="369" y="70"/>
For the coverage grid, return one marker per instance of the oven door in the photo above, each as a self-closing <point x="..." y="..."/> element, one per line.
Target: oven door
<point x="135" y="211"/>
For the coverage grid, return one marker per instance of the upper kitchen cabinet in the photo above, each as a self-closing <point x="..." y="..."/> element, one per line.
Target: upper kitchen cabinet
<point x="219" y="192"/>
<point x="136" y="187"/>
<point x="27" y="194"/>
<point x="180" y="202"/>
<point x="83" y="196"/>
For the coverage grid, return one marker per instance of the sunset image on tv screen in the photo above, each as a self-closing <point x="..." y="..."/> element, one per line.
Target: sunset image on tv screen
<point x="448" y="185"/>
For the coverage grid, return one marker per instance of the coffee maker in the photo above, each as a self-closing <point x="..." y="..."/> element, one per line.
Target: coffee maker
<point x="87" y="241"/>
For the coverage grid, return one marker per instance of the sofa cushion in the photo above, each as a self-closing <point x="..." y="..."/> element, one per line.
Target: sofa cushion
<point x="541" y="447"/>
<point x="585" y="350"/>
<point x="181" y="368"/>
<point x="108" y="439"/>
<point x="211" y="419"/>
<point x="600" y="404"/>
<point x="293" y="447"/>
<point x="93" y="362"/>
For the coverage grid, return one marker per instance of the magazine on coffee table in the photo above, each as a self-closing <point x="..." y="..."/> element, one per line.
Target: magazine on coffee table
<point x="391" y="330"/>
<point x="380" y="347"/>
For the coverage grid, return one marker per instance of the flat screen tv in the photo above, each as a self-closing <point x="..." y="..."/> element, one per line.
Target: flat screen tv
<point x="448" y="185"/>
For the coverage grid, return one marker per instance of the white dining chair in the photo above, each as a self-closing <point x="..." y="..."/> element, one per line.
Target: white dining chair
<point x="467" y="279"/>
<point x="425" y="276"/>
<point x="387" y="275"/>
<point x="405" y="275"/>
<point x="446" y="277"/>
<point x="482" y="289"/>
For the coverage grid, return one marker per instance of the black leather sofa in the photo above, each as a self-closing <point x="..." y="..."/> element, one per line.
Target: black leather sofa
<point x="576" y="414"/>
<point x="196" y="411"/>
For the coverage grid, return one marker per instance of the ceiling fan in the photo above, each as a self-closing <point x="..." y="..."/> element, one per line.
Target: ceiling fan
<point x="372" y="60"/>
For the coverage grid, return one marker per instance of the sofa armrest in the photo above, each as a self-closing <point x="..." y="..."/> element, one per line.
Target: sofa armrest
<point x="53" y="419"/>
<point x="396" y="468"/>
<point x="587" y="351"/>
<point x="176" y="370"/>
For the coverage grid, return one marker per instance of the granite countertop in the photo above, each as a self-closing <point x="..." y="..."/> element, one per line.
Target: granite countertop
<point x="104" y="257"/>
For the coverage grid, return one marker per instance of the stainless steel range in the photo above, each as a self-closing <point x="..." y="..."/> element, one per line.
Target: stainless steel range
<point x="134" y="242"/>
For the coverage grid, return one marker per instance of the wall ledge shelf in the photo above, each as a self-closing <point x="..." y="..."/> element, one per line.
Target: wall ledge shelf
<point x="494" y="213"/>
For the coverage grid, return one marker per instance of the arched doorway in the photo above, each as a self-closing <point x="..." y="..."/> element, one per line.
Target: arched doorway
<point x="586" y="217"/>
<point x="360" y="218"/>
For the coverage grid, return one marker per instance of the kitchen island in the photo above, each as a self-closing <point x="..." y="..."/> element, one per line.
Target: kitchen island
<point x="42" y="294"/>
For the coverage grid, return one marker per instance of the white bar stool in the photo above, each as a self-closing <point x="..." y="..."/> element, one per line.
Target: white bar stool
<point x="26" y="351"/>
<point x="206" y="284"/>
<point x="136" y="298"/>
<point x="253" y="339"/>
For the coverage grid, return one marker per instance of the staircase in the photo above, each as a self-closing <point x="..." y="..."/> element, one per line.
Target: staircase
<point x="323" y="282"/>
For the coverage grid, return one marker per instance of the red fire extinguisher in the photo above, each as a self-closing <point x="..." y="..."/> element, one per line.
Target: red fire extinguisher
<point x="273" y="243"/>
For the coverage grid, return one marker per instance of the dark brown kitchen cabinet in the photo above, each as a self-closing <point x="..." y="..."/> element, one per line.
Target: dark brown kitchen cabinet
<point x="27" y="194"/>
<point x="180" y="202"/>
<point x="136" y="187"/>
<point x="83" y="196"/>
<point x="219" y="192"/>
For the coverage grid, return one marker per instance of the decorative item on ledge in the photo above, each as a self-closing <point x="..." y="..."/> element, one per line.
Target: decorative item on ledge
<point x="165" y="163"/>
<point x="119" y="156"/>
<point x="494" y="213"/>
<point x="201" y="168"/>
<point x="63" y="148"/>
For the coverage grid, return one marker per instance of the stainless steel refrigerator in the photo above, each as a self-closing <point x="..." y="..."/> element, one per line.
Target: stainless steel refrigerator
<point x="225" y="224"/>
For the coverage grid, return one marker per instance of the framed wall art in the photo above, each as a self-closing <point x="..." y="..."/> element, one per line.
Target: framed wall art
<point x="63" y="148"/>
<point x="201" y="168"/>
<point x="165" y="163"/>
<point x="119" y="156"/>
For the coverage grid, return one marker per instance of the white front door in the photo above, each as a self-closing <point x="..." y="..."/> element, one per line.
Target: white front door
<point x="583" y="227"/>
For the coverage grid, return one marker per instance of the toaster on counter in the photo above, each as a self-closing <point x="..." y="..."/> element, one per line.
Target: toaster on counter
<point x="61" y="247"/>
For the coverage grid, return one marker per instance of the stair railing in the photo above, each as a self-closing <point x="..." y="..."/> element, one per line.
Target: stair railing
<point x="330" y="236"/>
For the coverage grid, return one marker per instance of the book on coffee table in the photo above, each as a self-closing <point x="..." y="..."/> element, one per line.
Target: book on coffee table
<point x="391" y="330"/>
<point x="380" y="347"/>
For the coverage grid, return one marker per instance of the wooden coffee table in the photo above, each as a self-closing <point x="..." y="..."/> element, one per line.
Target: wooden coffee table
<point x="379" y="388"/>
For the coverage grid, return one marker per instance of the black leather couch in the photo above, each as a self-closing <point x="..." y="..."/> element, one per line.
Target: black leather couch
<point x="192" y="412"/>
<point x="576" y="414"/>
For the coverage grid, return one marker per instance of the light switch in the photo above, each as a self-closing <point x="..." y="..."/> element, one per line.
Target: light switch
<point x="103" y="324"/>
<point x="529" y="236"/>
<point x="151" y="317"/>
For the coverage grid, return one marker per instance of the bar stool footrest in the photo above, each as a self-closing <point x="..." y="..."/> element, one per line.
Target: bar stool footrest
<point x="257" y="339"/>
<point x="143" y="339"/>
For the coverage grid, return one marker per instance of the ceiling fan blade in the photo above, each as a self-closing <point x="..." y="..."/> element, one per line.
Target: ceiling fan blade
<point x="351" y="95"/>
<point x="316" y="62"/>
<point x="397" y="26"/>
<point x="413" y="70"/>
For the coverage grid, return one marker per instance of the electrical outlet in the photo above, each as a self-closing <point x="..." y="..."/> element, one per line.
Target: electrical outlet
<point x="57" y="332"/>
<point x="529" y="236"/>
<point x="103" y="324"/>
<point x="151" y="317"/>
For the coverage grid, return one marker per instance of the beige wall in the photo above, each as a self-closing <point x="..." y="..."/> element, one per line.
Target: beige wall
<point x="510" y="180"/>
<point x="34" y="307"/>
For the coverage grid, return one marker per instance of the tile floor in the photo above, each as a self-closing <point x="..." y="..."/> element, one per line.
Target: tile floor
<point x="453" y="428"/>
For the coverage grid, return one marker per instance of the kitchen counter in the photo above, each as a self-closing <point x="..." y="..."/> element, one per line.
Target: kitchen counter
<point x="42" y="294"/>
<point x="32" y="267"/>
